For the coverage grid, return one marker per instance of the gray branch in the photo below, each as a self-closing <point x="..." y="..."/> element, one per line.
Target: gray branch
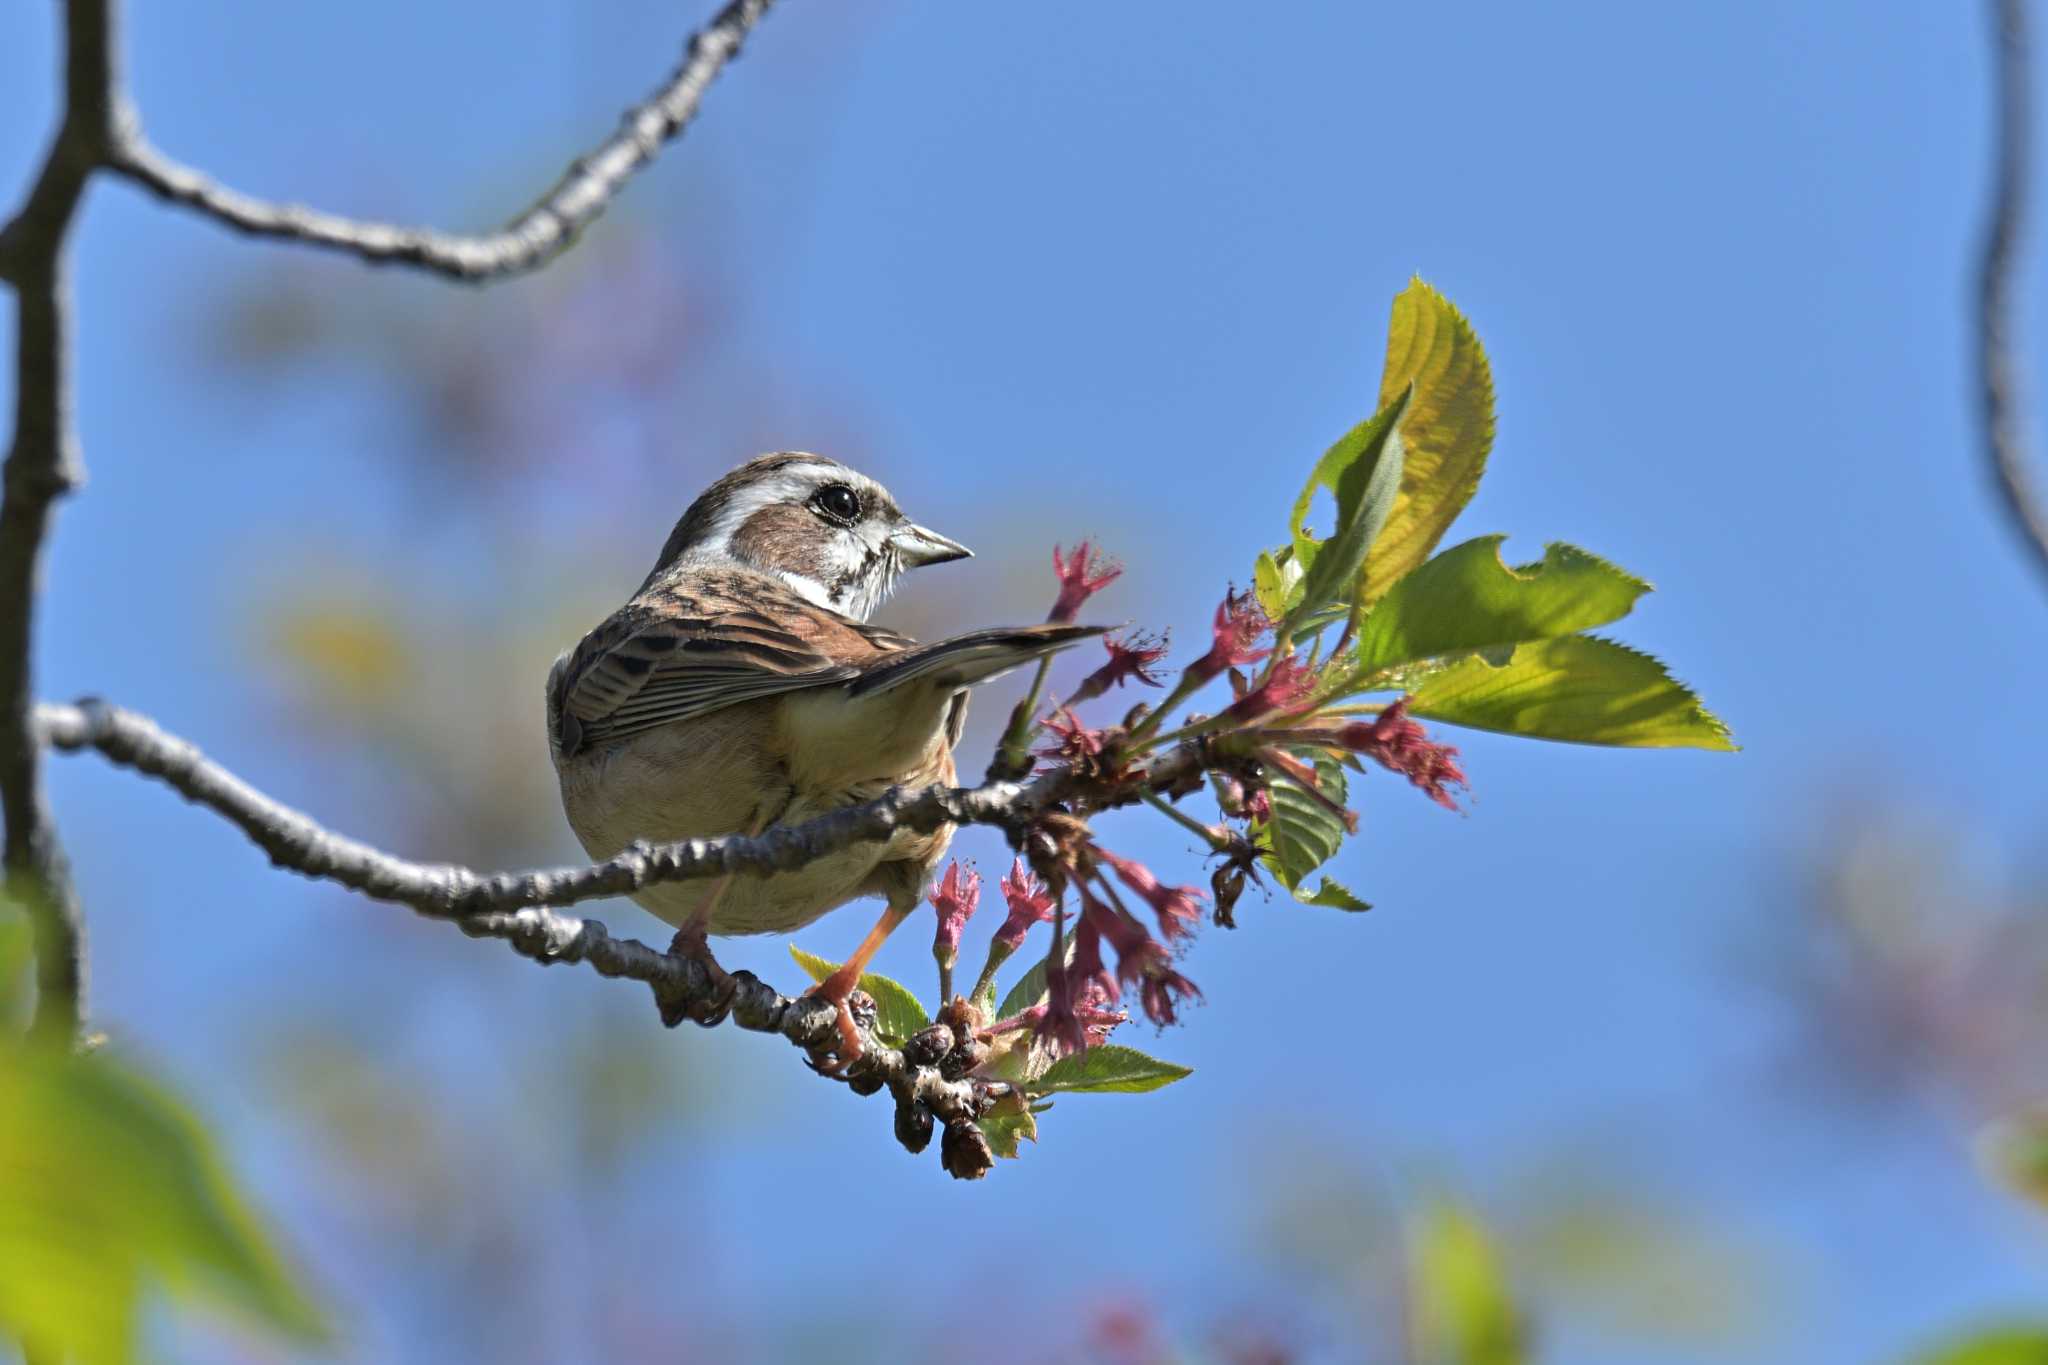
<point x="42" y="466"/>
<point x="1998" y="367"/>
<point x="514" y="906"/>
<point x="298" y="843"/>
<point x="529" y="241"/>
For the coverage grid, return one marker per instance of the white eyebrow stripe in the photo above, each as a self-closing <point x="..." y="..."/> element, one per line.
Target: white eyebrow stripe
<point x="791" y="483"/>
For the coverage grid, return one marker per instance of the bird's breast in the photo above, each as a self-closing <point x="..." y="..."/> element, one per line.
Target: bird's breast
<point x="742" y="769"/>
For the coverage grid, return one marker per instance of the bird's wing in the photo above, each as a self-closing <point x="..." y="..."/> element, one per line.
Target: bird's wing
<point x="707" y="642"/>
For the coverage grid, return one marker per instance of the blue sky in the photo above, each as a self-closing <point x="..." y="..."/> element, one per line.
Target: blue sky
<point x="1127" y="268"/>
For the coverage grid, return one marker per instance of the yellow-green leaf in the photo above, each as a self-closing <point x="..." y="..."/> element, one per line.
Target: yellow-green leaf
<point x="1010" y="1122"/>
<point x="1333" y="893"/>
<point x="2022" y="1345"/>
<point x="1467" y="598"/>
<point x="17" y="953"/>
<point x="1108" y="1069"/>
<point x="1276" y="578"/>
<point x="1578" y="688"/>
<point x="1363" y="472"/>
<point x="898" y="1014"/>
<point x="1445" y="435"/>
<point x="110" y="1188"/>
<point x="1463" y="1313"/>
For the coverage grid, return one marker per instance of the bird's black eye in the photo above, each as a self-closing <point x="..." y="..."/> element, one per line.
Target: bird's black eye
<point x="837" y="503"/>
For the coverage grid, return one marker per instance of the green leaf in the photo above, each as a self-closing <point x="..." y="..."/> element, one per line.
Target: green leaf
<point x="1009" y="1123"/>
<point x="1462" y="1311"/>
<point x="1029" y="990"/>
<point x="1578" y="688"/>
<point x="1276" y="578"/>
<point x="17" y="956"/>
<point x="1334" y="893"/>
<point x="111" y="1188"/>
<point x="2021" y="1345"/>
<point x="1467" y="598"/>
<point x="1445" y="436"/>
<point x="1303" y="834"/>
<point x="898" y="1014"/>
<point x="1363" y="470"/>
<point x="1108" y="1069"/>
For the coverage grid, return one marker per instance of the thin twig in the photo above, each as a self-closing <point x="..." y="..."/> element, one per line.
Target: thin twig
<point x="1998" y="367"/>
<point x="529" y="241"/>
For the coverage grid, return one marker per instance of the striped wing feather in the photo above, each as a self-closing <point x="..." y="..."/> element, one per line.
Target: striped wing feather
<point x="667" y="657"/>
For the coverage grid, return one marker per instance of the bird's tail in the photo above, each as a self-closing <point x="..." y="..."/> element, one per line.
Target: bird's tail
<point x="975" y="657"/>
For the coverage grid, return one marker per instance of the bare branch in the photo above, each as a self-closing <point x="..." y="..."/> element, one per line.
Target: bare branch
<point x="43" y="465"/>
<point x="529" y="241"/>
<point x="513" y="905"/>
<point x="298" y="843"/>
<point x="443" y="891"/>
<point x="1998" y="369"/>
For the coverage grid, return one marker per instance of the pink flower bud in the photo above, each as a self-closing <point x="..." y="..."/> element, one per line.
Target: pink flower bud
<point x="1030" y="903"/>
<point x="1239" y="625"/>
<point x="954" y="898"/>
<point x="1129" y="660"/>
<point x="1081" y="577"/>
<point x="1288" y="684"/>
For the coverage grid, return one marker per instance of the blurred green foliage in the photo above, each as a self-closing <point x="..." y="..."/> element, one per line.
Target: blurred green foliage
<point x="2006" y="1346"/>
<point x="114" y="1190"/>
<point x="1462" y="1310"/>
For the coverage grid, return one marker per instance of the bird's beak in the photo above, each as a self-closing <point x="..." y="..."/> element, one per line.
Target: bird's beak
<point x="918" y="547"/>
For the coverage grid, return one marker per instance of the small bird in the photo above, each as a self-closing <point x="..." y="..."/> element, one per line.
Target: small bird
<point x="742" y="687"/>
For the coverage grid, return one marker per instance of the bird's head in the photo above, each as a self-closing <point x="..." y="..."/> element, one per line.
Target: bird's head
<point x="831" y="533"/>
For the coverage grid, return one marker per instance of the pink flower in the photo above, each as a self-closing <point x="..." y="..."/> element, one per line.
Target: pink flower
<point x="1176" y="906"/>
<point x="1288" y="683"/>
<point x="1140" y="960"/>
<point x="1076" y="741"/>
<point x="1081" y="577"/>
<point x="1134" y="948"/>
<point x="1400" y="745"/>
<point x="1030" y="903"/>
<point x="1129" y="659"/>
<point x="1095" y="1024"/>
<point x="1075" y="1013"/>
<point x="1162" y="994"/>
<point x="955" y="899"/>
<point x="1239" y="624"/>
<point x="1087" y="978"/>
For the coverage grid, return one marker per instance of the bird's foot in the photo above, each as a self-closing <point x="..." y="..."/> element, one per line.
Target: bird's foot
<point x="840" y="988"/>
<point x="709" y="1010"/>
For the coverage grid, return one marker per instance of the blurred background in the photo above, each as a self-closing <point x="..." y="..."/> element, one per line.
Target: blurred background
<point x="1732" y="1057"/>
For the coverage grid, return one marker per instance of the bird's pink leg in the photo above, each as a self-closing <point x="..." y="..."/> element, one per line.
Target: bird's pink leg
<point x="839" y="986"/>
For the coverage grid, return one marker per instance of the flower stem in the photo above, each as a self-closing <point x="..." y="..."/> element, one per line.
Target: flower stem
<point x="985" y="984"/>
<point x="1013" y="759"/>
<point x="1180" y="817"/>
<point x="1182" y="690"/>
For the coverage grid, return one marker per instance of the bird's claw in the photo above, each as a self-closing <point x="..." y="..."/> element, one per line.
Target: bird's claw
<point x="706" y="1011"/>
<point x="845" y="1000"/>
